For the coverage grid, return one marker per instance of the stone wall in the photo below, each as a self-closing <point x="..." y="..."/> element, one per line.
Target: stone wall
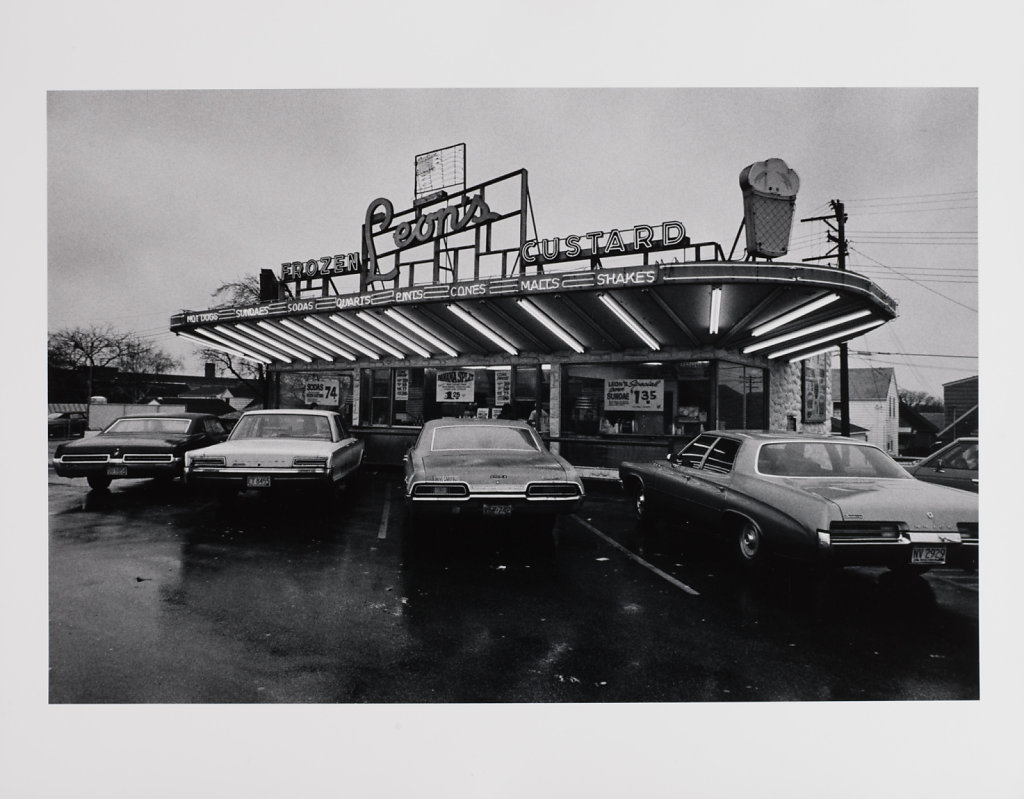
<point x="786" y="399"/>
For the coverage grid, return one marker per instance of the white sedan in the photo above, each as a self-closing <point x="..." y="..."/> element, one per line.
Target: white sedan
<point x="278" y="448"/>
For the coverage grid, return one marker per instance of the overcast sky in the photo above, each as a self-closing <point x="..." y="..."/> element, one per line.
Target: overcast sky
<point x="157" y="197"/>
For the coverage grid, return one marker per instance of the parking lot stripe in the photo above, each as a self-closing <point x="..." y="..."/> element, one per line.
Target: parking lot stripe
<point x="382" y="532"/>
<point x="637" y="558"/>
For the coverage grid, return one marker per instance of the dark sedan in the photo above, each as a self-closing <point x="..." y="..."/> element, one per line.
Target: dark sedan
<point x="825" y="499"/>
<point x="488" y="468"/>
<point x="954" y="465"/>
<point x="66" y="424"/>
<point x="138" y="446"/>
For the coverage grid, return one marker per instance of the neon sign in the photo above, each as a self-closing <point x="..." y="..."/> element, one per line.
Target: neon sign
<point x="327" y="266"/>
<point x="605" y="244"/>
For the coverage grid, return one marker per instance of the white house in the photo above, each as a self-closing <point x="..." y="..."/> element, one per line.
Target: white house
<point x="874" y="405"/>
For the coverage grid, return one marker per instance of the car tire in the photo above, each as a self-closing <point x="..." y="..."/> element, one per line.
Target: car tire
<point x="749" y="544"/>
<point x="98" y="482"/>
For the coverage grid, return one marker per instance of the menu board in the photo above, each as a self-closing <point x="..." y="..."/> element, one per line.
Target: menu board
<point x="322" y="391"/>
<point x="634" y="394"/>
<point x="456" y="385"/>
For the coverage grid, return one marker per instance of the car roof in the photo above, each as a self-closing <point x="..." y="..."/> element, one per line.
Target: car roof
<point x="447" y="421"/>
<point x="776" y="436"/>
<point x="168" y="416"/>
<point x="290" y="411"/>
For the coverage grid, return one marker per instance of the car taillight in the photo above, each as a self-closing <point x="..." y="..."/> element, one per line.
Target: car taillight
<point x="871" y="531"/>
<point x="440" y="490"/>
<point x="206" y="461"/>
<point x="968" y="531"/>
<point x="554" y="490"/>
<point x="309" y="463"/>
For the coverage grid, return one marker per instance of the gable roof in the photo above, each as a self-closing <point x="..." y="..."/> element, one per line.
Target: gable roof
<point x="915" y="420"/>
<point x="865" y="384"/>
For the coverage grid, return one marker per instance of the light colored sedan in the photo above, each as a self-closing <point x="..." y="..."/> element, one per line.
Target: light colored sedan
<point x="278" y="448"/>
<point x="488" y="468"/>
<point x="825" y="499"/>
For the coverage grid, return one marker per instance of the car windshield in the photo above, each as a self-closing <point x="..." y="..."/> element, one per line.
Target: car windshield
<point x="963" y="455"/>
<point x="282" y="425"/>
<point x="462" y="437"/>
<point x="147" y="426"/>
<point x="826" y="459"/>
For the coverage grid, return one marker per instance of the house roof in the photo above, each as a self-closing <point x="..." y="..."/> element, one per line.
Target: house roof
<point x="915" y="420"/>
<point x="973" y="378"/>
<point x="865" y="384"/>
<point x="837" y="427"/>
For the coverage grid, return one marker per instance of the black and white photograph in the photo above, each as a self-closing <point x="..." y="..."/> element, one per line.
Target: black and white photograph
<point x="416" y="423"/>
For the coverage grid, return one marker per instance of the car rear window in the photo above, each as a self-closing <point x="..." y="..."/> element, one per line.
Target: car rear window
<point x="148" y="426"/>
<point x="282" y="425"/>
<point x="461" y="437"/>
<point x="826" y="459"/>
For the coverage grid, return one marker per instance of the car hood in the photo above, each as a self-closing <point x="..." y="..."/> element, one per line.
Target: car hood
<point x="922" y="506"/>
<point x="106" y="444"/>
<point x="267" y="451"/>
<point x="493" y="468"/>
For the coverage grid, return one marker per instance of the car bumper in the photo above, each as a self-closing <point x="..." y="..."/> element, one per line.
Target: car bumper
<point x="248" y="478"/>
<point x="493" y="505"/>
<point x="924" y="549"/>
<point x="117" y="469"/>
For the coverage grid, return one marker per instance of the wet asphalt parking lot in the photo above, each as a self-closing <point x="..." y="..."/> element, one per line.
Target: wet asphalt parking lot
<point x="158" y="594"/>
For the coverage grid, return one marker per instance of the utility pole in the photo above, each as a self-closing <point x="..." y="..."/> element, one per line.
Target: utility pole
<point x="839" y="252"/>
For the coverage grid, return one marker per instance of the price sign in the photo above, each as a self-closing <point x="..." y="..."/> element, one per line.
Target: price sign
<point x="401" y="384"/>
<point x="630" y="394"/>
<point x="502" y="387"/>
<point x="457" y="385"/>
<point x="322" y="392"/>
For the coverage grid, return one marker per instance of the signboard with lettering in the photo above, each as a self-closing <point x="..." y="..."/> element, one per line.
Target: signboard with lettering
<point x="634" y="394"/>
<point x="502" y="387"/>
<point x="455" y="385"/>
<point x="401" y="384"/>
<point x="322" y="391"/>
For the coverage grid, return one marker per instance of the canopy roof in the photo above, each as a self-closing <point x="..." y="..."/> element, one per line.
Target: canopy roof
<point x="764" y="310"/>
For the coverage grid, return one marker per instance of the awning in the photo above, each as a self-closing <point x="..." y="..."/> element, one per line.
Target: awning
<point x="767" y="310"/>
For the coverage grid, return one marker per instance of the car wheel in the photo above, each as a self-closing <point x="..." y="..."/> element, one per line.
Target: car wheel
<point x="642" y="509"/>
<point x="98" y="481"/>
<point x="750" y="547"/>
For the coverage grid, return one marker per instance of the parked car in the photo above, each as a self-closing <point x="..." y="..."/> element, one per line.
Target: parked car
<point x="824" y="499"/>
<point x="488" y="468"/>
<point x="956" y="465"/>
<point x="66" y="425"/>
<point x="137" y="446"/>
<point x="277" y="448"/>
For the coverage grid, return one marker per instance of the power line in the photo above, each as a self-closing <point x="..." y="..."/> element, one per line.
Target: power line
<point x="933" y="291"/>
<point x="913" y="354"/>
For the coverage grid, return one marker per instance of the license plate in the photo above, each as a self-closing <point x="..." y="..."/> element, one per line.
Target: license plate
<point x="928" y="555"/>
<point x="117" y="471"/>
<point x="497" y="510"/>
<point x="257" y="481"/>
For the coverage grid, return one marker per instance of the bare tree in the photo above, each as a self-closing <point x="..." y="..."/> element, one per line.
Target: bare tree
<point x="98" y="346"/>
<point x="240" y="291"/>
<point x="920" y="401"/>
<point x="85" y="347"/>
